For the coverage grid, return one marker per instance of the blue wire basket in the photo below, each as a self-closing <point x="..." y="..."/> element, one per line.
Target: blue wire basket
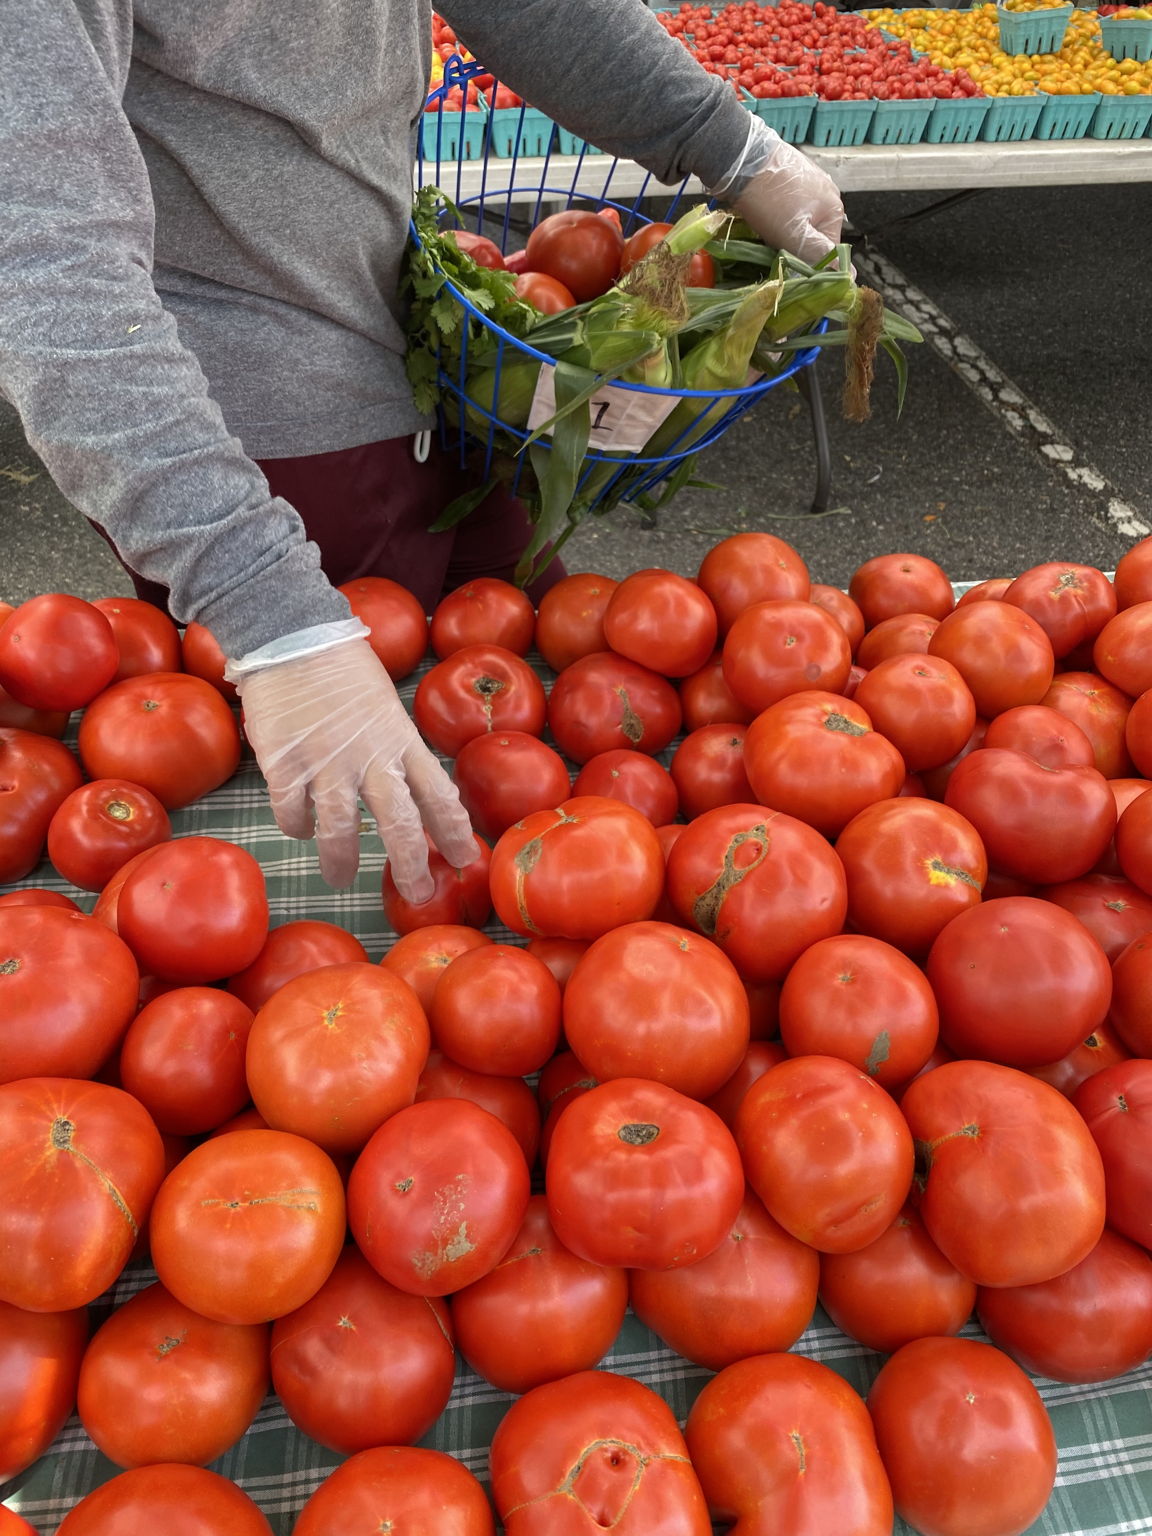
<point x="501" y="196"/>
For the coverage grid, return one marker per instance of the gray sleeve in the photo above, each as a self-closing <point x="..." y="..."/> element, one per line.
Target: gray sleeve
<point x="118" y="410"/>
<point x="607" y="71"/>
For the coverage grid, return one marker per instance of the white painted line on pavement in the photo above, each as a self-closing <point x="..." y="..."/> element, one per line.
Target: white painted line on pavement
<point x="1003" y="398"/>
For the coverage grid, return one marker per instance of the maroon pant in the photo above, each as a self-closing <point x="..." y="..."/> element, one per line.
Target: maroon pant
<point x="368" y="509"/>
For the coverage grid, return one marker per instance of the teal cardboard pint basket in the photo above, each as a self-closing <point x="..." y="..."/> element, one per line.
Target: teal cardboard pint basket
<point x="1034" y="31"/>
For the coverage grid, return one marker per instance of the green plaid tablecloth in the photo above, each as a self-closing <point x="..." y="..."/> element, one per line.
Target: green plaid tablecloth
<point x="1104" y="1479"/>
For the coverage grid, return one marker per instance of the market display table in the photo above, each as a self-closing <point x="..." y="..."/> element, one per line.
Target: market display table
<point x="1104" y="1480"/>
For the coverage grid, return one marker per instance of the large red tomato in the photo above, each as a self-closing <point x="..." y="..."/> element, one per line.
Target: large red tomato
<point x="195" y="911"/>
<point x="419" y="1492"/>
<point x="289" y="951"/>
<point x="543" y="292"/>
<point x="421" y="957"/>
<point x="68" y="990"/>
<point x="437" y="1195"/>
<point x="782" y="1443"/>
<point x="504" y="776"/>
<point x="40" y="1354"/>
<point x="510" y="1099"/>
<point x="827" y="1151"/>
<point x="642" y="1177"/>
<point x="146" y="638"/>
<point x="362" y="1364"/>
<point x="183" y="1058"/>
<point x="662" y="620"/>
<point x="1131" y="1011"/>
<point x="1092" y="1323"/>
<point x="458" y="895"/>
<point x="1019" y="981"/>
<point x="898" y="1288"/>
<point x="168" y="1497"/>
<point x="36" y="896"/>
<point x="578" y="249"/>
<point x="100" y="826"/>
<point x="590" y="1453"/>
<point x="1114" y="911"/>
<point x="56" y="652"/>
<point x="1102" y="1048"/>
<point x="748" y="568"/>
<point x="1117" y="1108"/>
<point x="1071" y="603"/>
<point x="650" y="1000"/>
<point x="633" y="777"/>
<point x="483" y="612"/>
<point x="965" y="1437"/>
<point x="707" y="769"/>
<point x="753" y="1296"/>
<point x="170" y="732"/>
<point x="701" y="267"/>
<point x="161" y="1383"/>
<point x="396" y="622"/>
<point x="1001" y="652"/>
<point x="783" y="647"/>
<point x="79" y="1165"/>
<point x="861" y="1000"/>
<point x="922" y="705"/>
<point x="570" y="619"/>
<point x="41" y="722"/>
<point x="843" y="609"/>
<point x="706" y="698"/>
<point x="476" y="689"/>
<point x="497" y="1009"/>
<point x="1043" y="733"/>
<point x="603" y="701"/>
<point x="249" y="1225"/>
<point x="37" y="775"/>
<point x="1012" y="1186"/>
<point x="1120" y="652"/>
<point x="203" y="657"/>
<point x="760" y="1055"/>
<point x="815" y="756"/>
<point x="542" y="1313"/>
<point x="761" y="885"/>
<point x="1101" y="711"/>
<point x="578" y="870"/>
<point x="907" y="634"/>
<point x="889" y="585"/>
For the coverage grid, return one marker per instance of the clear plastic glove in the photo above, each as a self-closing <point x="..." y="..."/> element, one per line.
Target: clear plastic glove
<point x="329" y="730"/>
<point x="788" y="200"/>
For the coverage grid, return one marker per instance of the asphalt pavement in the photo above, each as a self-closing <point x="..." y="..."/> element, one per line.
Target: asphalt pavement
<point x="1024" y="437"/>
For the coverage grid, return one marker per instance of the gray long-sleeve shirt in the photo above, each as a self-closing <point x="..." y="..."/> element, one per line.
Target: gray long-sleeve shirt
<point x="203" y="207"/>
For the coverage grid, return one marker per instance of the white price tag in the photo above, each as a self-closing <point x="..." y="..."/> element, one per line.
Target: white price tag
<point x="622" y="420"/>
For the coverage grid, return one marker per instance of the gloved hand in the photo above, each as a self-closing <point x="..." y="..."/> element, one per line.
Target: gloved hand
<point x="329" y="729"/>
<point x="788" y="200"/>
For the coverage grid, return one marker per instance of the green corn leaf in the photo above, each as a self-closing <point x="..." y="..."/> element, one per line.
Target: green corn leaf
<point x="456" y="511"/>
<point x="900" y="364"/>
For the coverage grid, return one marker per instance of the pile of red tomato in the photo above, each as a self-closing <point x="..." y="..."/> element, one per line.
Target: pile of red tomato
<point x="851" y="1002"/>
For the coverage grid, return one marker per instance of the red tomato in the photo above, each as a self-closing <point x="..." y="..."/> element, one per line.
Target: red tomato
<point x="559" y="955"/>
<point x="748" y="568"/>
<point x="633" y="778"/>
<point x="100" y="826"/>
<point x="508" y="1098"/>
<point x="204" y="658"/>
<point x="1012" y="1183"/>
<point x="504" y="776"/>
<point x="476" y="689"/>
<point x="497" y="1009"/>
<point x="542" y="1313"/>
<point x="159" y="1383"/>
<point x="67" y="992"/>
<point x="634" y="1474"/>
<point x="650" y="1000"/>
<point x="706" y="698"/>
<point x="1019" y="981"/>
<point x="1101" y="712"/>
<point x="40" y="1354"/>
<point x="421" y="957"/>
<point x="1071" y="603"/>
<point x="577" y="249"/>
<point x="1038" y="824"/>
<point x="146" y="638"/>
<point x="483" y="612"/>
<point x="907" y="634"/>
<point x="1103" y="1048"/>
<point x="1091" y="1324"/>
<point x="1131" y="1009"/>
<point x="335" y="1052"/>
<point x="783" y="647"/>
<point x="437" y="1196"/>
<point x="1119" y="653"/>
<point x="826" y="1150"/>
<point x="1132" y="850"/>
<point x="544" y="293"/>
<point x="458" y="895"/>
<point x="784" y="1443"/>
<point x="863" y="1001"/>
<point x="846" y="613"/>
<point x="760" y="1055"/>
<point x="484" y="252"/>
<point x="63" y="1145"/>
<point x="967" y="1412"/>
<point x="37" y="775"/>
<point x="701" y="268"/>
<point x="922" y="705"/>
<point x="642" y="1177"/>
<point x="1002" y="653"/>
<point x="753" y="1296"/>
<point x="419" y="1491"/>
<point x="591" y="864"/>
<point x="362" y="1364"/>
<point x="707" y="769"/>
<point x="898" y="1288"/>
<point x="56" y="652"/>
<point x="32" y="896"/>
<point x="41" y="722"/>
<point x="1112" y="909"/>
<point x="604" y="701"/>
<point x="815" y="756"/>
<point x="397" y="623"/>
<point x="1133" y="579"/>
<point x="248" y="1226"/>
<point x="183" y="1058"/>
<point x="1138" y="732"/>
<point x="195" y="911"/>
<point x="290" y="951"/>
<point x="570" y="620"/>
<point x="180" y="1500"/>
<point x="1042" y="733"/>
<point x="991" y="590"/>
<point x="888" y="585"/>
<point x="661" y="620"/>
<point x="169" y="732"/>
<point x="1117" y="1108"/>
<point x="761" y="885"/>
<point x="516" y="261"/>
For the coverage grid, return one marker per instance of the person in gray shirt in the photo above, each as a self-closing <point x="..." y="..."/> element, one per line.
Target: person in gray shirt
<point x="205" y="205"/>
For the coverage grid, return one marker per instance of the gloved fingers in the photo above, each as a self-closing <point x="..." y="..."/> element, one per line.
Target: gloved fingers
<point x="398" y="822"/>
<point x="438" y="802"/>
<point x="337" y="829"/>
<point x="292" y="807"/>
